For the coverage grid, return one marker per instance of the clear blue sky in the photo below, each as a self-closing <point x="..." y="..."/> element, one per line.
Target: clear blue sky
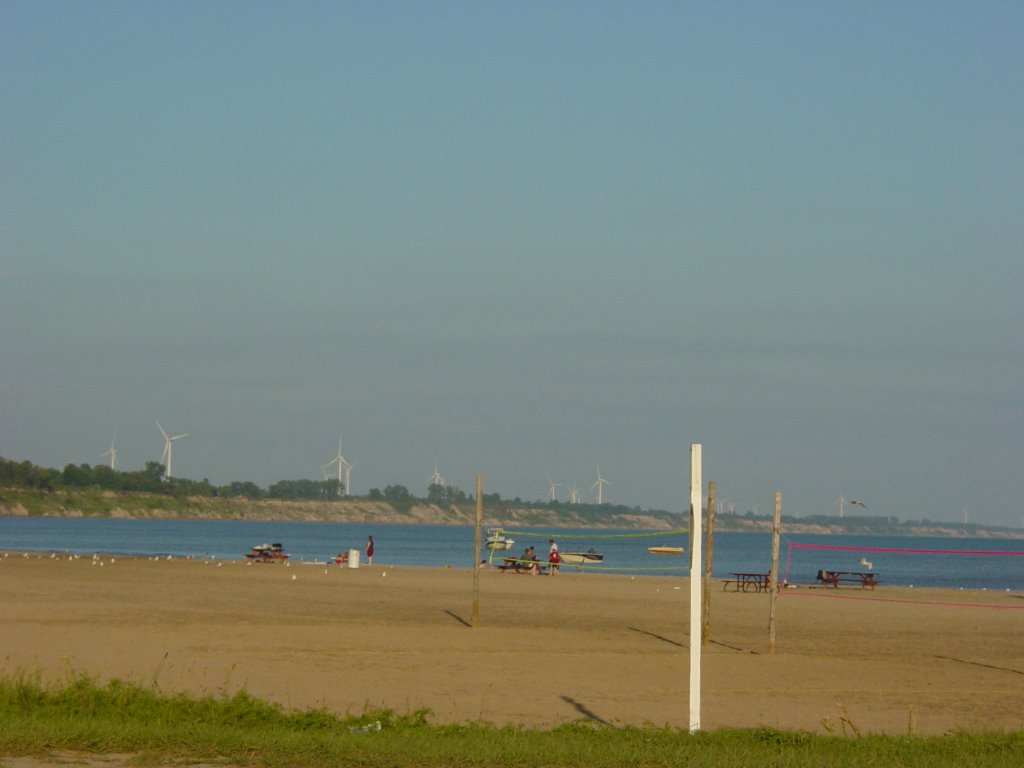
<point x="523" y="239"/>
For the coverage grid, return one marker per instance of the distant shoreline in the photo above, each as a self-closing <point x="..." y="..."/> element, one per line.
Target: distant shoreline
<point x="96" y="503"/>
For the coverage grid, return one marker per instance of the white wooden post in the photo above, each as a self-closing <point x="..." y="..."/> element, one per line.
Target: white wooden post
<point x="696" y="599"/>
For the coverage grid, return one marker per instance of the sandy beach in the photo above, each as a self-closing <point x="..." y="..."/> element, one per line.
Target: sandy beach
<point x="613" y="649"/>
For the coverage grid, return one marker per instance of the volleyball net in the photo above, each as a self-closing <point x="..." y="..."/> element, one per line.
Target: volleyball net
<point x="610" y="552"/>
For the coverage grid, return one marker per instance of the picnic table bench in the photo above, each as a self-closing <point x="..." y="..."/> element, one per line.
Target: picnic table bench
<point x="861" y="578"/>
<point x="746" y="582"/>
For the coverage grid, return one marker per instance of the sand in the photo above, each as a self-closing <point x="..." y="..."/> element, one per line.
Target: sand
<point x="547" y="650"/>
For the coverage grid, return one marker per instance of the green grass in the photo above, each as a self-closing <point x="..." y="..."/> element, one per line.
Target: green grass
<point x="83" y="715"/>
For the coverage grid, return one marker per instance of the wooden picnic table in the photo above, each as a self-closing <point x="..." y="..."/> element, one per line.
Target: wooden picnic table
<point x="860" y="578"/>
<point x="516" y="565"/>
<point x="747" y="582"/>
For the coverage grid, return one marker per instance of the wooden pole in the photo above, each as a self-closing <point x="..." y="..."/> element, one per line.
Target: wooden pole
<point x="710" y="548"/>
<point x="773" y="572"/>
<point x="475" y="616"/>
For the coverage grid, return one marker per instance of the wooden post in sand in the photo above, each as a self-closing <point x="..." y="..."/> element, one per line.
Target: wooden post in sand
<point x="475" y="615"/>
<point x="773" y="572"/>
<point x="707" y="565"/>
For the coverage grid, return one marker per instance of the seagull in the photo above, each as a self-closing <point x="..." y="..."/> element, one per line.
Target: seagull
<point x="866" y="563"/>
<point x="858" y="503"/>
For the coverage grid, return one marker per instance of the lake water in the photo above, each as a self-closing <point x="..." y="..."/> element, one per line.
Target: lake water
<point x="969" y="563"/>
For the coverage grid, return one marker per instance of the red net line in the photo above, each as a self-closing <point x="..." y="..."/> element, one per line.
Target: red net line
<point x="906" y="550"/>
<point x="846" y="548"/>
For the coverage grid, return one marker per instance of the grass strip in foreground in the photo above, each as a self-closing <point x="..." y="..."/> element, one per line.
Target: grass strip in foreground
<point x="82" y="715"/>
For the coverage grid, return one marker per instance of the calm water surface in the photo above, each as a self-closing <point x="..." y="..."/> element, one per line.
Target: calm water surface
<point x="440" y="545"/>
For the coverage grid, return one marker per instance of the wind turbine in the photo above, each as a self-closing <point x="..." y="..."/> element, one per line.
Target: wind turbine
<point x="112" y="453"/>
<point x="436" y="478"/>
<point x="574" y="495"/>
<point x="552" y="485"/>
<point x="344" y="468"/>
<point x="600" y="483"/>
<point x="840" y="501"/>
<point x="165" y="458"/>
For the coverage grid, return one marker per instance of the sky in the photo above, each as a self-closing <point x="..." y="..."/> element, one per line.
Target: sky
<point x="523" y="240"/>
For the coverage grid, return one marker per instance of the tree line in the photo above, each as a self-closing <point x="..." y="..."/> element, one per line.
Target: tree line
<point x="152" y="479"/>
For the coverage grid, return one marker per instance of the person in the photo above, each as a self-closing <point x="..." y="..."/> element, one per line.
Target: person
<point x="369" y="551"/>
<point x="553" y="557"/>
<point x="529" y="561"/>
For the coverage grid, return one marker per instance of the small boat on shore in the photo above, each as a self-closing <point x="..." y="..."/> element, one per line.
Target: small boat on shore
<point x="664" y="550"/>
<point x="498" y="540"/>
<point x="267" y="553"/>
<point x="590" y="557"/>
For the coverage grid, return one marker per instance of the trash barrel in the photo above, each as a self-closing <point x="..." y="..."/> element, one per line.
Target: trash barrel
<point x="353" y="558"/>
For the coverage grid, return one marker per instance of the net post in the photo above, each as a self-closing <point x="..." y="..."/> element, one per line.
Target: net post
<point x="706" y="603"/>
<point x="696" y="486"/>
<point x="475" y="616"/>
<point x="773" y="572"/>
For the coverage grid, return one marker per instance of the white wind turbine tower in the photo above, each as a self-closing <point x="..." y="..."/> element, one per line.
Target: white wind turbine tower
<point x="344" y="468"/>
<point x="574" y="495"/>
<point x="112" y="453"/>
<point x="165" y="458"/>
<point x="552" y="485"/>
<point x="437" y="478"/>
<point x="600" y="483"/>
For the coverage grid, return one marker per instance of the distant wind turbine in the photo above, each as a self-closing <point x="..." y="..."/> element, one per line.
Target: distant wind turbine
<point x="600" y="483"/>
<point x="437" y="478"/>
<point x="574" y="495"/>
<point x="552" y="486"/>
<point x="112" y="453"/>
<point x="344" y="471"/>
<point x="165" y="458"/>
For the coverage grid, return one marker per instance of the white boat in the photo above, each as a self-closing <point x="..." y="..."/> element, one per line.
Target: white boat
<point x="665" y="550"/>
<point x="497" y="540"/>
<point x="581" y="558"/>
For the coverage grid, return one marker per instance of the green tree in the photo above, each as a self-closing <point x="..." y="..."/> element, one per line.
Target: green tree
<point x="397" y="493"/>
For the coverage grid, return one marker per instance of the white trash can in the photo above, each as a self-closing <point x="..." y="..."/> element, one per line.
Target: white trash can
<point x="353" y="558"/>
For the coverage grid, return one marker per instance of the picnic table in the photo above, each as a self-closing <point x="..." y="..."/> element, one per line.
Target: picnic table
<point x="860" y="578"/>
<point x="516" y="565"/>
<point x="747" y="582"/>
